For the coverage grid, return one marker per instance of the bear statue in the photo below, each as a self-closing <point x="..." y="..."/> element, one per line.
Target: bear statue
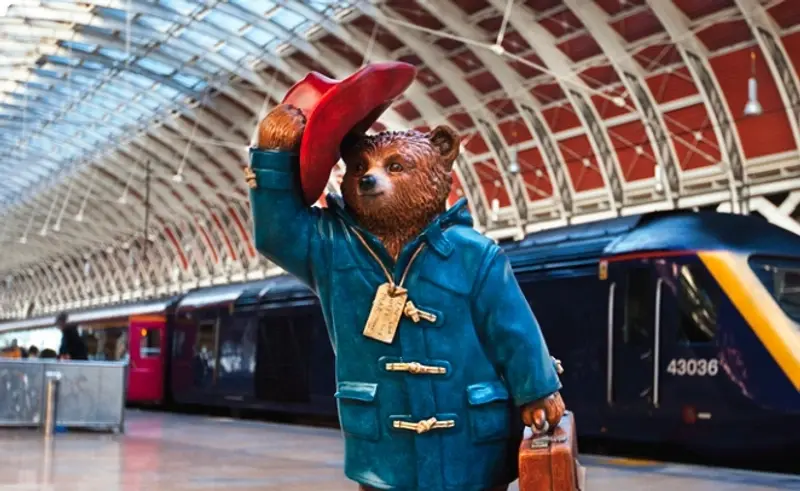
<point x="439" y="359"/>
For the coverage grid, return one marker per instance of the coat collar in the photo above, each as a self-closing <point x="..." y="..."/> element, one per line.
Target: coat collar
<point x="433" y="234"/>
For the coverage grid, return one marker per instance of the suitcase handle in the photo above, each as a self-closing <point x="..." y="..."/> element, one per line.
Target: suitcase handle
<point x="544" y="437"/>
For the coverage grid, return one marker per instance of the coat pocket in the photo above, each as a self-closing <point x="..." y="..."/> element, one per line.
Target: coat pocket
<point x="358" y="411"/>
<point x="489" y="411"/>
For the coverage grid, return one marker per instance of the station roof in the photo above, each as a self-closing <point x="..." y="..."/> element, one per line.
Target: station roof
<point x="570" y="110"/>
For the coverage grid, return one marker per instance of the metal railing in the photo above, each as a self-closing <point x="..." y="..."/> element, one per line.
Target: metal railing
<point x="69" y="394"/>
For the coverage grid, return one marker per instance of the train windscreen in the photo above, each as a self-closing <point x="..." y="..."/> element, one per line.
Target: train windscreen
<point x="781" y="277"/>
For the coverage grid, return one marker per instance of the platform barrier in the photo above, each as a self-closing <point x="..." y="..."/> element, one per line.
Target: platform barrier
<point x="70" y="394"/>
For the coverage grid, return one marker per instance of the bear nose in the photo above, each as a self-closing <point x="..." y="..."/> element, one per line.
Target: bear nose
<point x="367" y="183"/>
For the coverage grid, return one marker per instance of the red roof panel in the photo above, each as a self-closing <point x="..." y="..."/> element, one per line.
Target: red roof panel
<point x="461" y="121"/>
<point x="614" y="7"/>
<point x="514" y="131"/>
<point x="581" y="163"/>
<point x="724" y="34"/>
<point x="694" y="9"/>
<point x="484" y="82"/>
<point x="672" y="85"/>
<point x="444" y="97"/>
<point x="634" y="153"/>
<point x="561" y="118"/>
<point x="580" y="47"/>
<point x="637" y="26"/>
<point x="786" y="14"/>
<point x="534" y="173"/>
<point x="684" y="127"/>
<point x="472" y="6"/>
<point x="502" y="108"/>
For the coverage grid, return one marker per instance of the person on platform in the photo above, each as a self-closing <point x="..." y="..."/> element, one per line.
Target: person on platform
<point x="72" y="346"/>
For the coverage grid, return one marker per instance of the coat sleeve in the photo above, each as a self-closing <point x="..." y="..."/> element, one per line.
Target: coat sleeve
<point x="510" y="335"/>
<point x="283" y="225"/>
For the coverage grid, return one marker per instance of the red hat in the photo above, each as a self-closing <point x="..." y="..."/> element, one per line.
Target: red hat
<point x="334" y="108"/>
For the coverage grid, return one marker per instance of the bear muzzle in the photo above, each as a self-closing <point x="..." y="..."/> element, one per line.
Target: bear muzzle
<point x="368" y="186"/>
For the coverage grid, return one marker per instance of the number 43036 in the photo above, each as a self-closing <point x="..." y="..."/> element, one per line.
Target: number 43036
<point x="693" y="367"/>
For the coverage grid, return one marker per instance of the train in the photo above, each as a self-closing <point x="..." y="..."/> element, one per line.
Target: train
<point x="674" y="327"/>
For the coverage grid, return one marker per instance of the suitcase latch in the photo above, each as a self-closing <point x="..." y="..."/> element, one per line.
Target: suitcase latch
<point x="544" y="441"/>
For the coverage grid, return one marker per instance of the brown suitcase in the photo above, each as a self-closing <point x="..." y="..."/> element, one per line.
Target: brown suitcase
<point x="549" y="461"/>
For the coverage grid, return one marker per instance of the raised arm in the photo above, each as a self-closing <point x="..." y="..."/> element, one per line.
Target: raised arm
<point x="513" y="341"/>
<point x="284" y="226"/>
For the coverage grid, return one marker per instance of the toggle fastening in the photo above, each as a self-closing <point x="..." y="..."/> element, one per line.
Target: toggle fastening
<point x="411" y="311"/>
<point x="425" y="425"/>
<point x="415" y="368"/>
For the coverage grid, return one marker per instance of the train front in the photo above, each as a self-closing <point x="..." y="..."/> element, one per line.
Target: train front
<point x="762" y="356"/>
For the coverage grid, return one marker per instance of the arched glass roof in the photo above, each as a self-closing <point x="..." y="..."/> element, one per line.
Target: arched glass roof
<point x="94" y="72"/>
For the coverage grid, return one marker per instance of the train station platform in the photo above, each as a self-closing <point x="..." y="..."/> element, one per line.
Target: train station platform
<point x="169" y="452"/>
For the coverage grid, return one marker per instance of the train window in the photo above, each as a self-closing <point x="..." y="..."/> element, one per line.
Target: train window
<point x="639" y="307"/>
<point x="697" y="303"/>
<point x="206" y="342"/>
<point x="781" y="277"/>
<point x="150" y="343"/>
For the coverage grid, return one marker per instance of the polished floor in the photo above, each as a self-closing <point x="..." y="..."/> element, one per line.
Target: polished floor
<point x="166" y="452"/>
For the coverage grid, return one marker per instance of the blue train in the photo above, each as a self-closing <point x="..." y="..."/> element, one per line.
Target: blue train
<point x="673" y="327"/>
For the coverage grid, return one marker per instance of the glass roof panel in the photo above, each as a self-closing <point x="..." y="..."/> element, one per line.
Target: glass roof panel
<point x="89" y="29"/>
<point x="258" y="7"/>
<point x="110" y="13"/>
<point x="75" y="46"/>
<point x="93" y="65"/>
<point x="155" y="66"/>
<point x="167" y="91"/>
<point x="136" y="79"/>
<point x="259" y="36"/>
<point x="207" y="66"/>
<point x="288" y="19"/>
<point x="199" y="39"/>
<point x="123" y="92"/>
<point x="45" y="73"/>
<point x="180" y="6"/>
<point x="323" y="5"/>
<point x="114" y="54"/>
<point x="62" y="60"/>
<point x="229" y="23"/>
<point x="232" y="52"/>
<point x="178" y="54"/>
<point x="150" y="103"/>
<point x="37" y="85"/>
<point x="187" y="80"/>
<point x="118" y="98"/>
<point x="81" y="78"/>
<point x="156" y="23"/>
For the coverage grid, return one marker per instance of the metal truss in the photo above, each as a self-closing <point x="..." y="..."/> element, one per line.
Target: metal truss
<point x="93" y="108"/>
<point x="677" y="25"/>
<point x="597" y="23"/>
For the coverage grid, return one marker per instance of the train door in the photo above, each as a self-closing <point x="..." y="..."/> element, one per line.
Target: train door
<point x="283" y="357"/>
<point x="688" y="301"/>
<point x="632" y="344"/>
<point x="146" y="335"/>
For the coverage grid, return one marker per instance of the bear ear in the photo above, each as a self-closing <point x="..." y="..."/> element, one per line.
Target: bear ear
<point x="446" y="141"/>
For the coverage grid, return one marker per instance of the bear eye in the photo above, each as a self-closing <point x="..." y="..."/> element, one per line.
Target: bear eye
<point x="395" y="167"/>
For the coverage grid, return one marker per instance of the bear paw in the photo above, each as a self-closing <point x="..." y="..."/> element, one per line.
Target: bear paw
<point x="547" y="410"/>
<point x="282" y="129"/>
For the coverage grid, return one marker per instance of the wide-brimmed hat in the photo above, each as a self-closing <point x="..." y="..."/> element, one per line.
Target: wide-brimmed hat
<point x="335" y="108"/>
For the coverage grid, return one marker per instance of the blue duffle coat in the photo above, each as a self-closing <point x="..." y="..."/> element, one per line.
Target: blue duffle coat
<point x="485" y="346"/>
